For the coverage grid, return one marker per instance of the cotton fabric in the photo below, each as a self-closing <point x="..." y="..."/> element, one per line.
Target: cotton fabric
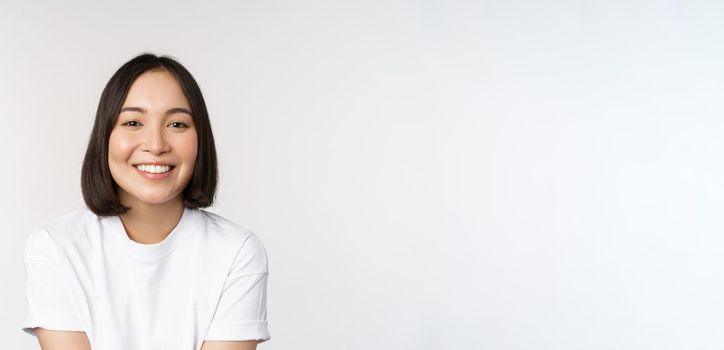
<point x="207" y="280"/>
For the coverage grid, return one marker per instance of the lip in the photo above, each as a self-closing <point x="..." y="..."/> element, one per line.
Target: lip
<point x="155" y="176"/>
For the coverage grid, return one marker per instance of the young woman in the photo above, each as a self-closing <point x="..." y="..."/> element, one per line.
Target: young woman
<point x="144" y="266"/>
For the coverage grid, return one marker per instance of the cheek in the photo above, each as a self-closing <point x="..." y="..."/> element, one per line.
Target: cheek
<point x="188" y="149"/>
<point x="119" y="147"/>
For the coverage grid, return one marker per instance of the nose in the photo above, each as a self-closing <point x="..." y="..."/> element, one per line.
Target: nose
<point x="155" y="141"/>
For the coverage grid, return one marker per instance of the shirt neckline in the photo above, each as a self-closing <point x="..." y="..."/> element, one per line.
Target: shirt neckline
<point x="154" y="250"/>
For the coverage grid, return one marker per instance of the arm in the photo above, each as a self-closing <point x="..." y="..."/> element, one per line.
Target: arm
<point x="228" y="345"/>
<point x="240" y="314"/>
<point x="68" y="340"/>
<point x="51" y="316"/>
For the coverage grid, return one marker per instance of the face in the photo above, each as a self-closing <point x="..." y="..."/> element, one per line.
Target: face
<point x="152" y="148"/>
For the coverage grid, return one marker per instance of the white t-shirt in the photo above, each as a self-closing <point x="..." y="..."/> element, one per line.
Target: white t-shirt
<point x="206" y="281"/>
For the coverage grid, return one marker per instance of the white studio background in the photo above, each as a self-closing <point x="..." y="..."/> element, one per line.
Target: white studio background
<point x="424" y="174"/>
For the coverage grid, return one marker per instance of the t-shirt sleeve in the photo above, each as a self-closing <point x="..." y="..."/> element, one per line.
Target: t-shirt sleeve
<point x="241" y="311"/>
<point x="48" y="297"/>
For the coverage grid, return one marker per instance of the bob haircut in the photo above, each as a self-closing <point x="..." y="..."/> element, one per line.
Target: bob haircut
<point x="97" y="184"/>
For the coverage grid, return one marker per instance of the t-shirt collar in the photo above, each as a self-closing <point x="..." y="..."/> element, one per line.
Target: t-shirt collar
<point x="155" y="250"/>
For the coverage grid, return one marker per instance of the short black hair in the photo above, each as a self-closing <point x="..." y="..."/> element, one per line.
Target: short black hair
<point x="97" y="184"/>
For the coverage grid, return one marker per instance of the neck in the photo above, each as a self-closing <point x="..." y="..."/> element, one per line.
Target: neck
<point x="150" y="223"/>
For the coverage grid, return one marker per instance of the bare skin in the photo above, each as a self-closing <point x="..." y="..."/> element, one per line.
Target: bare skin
<point x="62" y="340"/>
<point x="150" y="224"/>
<point x="67" y="340"/>
<point x="154" y="125"/>
<point x="229" y="345"/>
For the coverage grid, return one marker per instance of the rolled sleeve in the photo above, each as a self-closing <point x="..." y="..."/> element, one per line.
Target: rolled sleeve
<point x="241" y="312"/>
<point x="49" y="301"/>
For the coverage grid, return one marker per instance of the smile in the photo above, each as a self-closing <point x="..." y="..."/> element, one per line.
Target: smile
<point x="154" y="169"/>
<point x="155" y="172"/>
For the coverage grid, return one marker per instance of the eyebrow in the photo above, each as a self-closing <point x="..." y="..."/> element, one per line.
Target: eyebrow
<point x="170" y="111"/>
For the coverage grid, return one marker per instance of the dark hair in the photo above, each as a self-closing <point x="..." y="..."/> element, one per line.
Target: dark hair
<point x="97" y="184"/>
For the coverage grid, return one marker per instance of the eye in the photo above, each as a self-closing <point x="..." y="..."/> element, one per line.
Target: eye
<point x="183" y="125"/>
<point x="132" y="121"/>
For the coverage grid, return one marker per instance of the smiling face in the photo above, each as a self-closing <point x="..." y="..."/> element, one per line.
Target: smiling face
<point x="154" y="127"/>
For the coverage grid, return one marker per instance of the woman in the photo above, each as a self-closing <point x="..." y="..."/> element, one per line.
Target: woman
<point x="143" y="266"/>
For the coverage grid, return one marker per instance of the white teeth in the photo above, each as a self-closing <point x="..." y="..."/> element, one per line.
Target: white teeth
<point x="154" y="169"/>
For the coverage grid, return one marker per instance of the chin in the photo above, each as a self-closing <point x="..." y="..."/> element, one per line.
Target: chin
<point x="154" y="199"/>
<point x="161" y="201"/>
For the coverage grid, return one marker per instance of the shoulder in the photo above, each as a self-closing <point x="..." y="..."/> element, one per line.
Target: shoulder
<point x="44" y="240"/>
<point x="71" y="219"/>
<point x="245" y="242"/>
<point x="223" y="227"/>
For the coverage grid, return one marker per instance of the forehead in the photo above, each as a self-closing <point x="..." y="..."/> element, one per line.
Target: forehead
<point x="156" y="88"/>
